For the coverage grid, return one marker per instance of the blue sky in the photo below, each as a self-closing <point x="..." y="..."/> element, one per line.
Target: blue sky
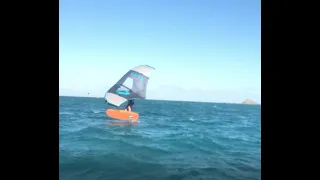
<point x="203" y="50"/>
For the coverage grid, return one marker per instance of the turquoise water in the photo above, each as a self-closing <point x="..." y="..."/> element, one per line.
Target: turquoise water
<point x="173" y="140"/>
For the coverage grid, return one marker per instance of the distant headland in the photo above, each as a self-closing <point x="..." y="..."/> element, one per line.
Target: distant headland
<point x="248" y="101"/>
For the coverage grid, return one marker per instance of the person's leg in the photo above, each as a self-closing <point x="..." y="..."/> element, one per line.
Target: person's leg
<point x="129" y="108"/>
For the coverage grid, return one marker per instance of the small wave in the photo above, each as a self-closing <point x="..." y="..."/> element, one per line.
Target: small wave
<point x="65" y="113"/>
<point x="97" y="111"/>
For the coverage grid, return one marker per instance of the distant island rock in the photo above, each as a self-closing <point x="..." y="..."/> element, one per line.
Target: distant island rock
<point x="248" y="101"/>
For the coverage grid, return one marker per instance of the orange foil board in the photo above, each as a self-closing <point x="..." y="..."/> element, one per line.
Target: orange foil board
<point x="122" y="114"/>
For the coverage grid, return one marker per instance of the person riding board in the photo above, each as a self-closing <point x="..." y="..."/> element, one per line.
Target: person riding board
<point x="129" y="105"/>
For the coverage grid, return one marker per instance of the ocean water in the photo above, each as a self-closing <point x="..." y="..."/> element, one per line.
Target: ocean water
<point x="173" y="140"/>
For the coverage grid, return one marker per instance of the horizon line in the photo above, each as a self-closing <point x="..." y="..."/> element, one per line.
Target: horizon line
<point x="163" y="100"/>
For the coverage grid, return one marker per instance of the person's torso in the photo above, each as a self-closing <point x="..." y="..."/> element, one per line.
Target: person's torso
<point x="130" y="103"/>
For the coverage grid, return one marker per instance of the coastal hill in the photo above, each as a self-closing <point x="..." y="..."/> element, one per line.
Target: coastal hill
<point x="248" y="101"/>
